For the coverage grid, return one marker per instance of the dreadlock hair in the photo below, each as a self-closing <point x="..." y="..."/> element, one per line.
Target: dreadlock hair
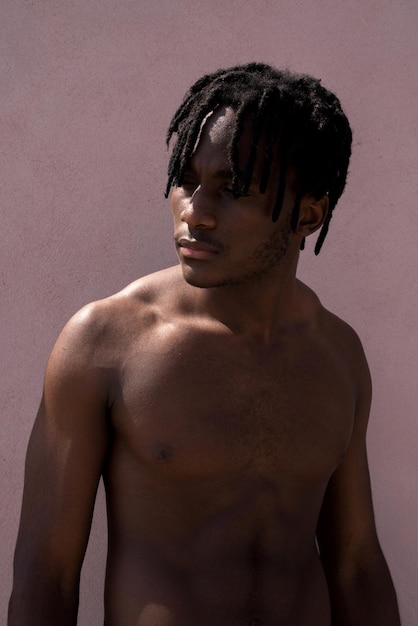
<point x="294" y="110"/>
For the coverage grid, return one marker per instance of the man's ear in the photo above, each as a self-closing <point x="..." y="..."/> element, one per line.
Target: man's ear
<point x="312" y="214"/>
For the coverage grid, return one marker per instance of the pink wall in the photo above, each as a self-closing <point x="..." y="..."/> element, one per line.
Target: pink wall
<point x="88" y="87"/>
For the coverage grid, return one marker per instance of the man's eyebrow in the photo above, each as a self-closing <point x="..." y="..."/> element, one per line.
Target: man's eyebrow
<point x="227" y="173"/>
<point x="224" y="173"/>
<point x="221" y="173"/>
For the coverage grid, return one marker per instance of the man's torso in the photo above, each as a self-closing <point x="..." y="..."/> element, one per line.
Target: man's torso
<point x="221" y="453"/>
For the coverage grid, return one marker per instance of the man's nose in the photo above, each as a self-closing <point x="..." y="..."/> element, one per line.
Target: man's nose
<point x="198" y="210"/>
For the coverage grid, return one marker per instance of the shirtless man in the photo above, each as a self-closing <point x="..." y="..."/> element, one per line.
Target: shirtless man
<point x="225" y="408"/>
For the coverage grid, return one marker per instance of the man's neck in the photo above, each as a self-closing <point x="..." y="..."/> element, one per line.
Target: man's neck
<point x="260" y="309"/>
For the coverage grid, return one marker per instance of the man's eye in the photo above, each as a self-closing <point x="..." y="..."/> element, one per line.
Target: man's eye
<point x="188" y="184"/>
<point x="228" y="189"/>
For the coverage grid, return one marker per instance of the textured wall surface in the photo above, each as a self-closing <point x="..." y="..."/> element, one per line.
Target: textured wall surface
<point x="87" y="90"/>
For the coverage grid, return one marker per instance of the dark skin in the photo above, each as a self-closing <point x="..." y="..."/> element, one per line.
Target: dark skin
<point x="226" y="410"/>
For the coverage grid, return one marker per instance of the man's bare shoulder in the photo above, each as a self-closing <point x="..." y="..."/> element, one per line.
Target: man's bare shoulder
<point x="160" y="289"/>
<point x="341" y="338"/>
<point x="105" y="323"/>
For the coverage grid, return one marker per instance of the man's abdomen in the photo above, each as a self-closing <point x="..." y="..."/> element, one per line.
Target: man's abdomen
<point x="145" y="588"/>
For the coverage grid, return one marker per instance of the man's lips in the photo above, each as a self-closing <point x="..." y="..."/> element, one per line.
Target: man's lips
<point x="194" y="249"/>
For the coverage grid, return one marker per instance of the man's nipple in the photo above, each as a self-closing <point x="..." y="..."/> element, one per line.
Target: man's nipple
<point x="163" y="452"/>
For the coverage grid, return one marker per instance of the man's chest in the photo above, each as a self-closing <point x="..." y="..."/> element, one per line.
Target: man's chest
<point x="205" y="408"/>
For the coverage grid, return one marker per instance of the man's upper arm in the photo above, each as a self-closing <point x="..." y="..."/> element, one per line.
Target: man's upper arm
<point x="65" y="456"/>
<point x="346" y="530"/>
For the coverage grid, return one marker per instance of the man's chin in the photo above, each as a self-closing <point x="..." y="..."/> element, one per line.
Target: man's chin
<point x="212" y="282"/>
<point x="201" y="280"/>
<point x="196" y="281"/>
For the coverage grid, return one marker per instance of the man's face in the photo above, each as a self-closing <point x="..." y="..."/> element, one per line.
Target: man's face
<point x="222" y="240"/>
